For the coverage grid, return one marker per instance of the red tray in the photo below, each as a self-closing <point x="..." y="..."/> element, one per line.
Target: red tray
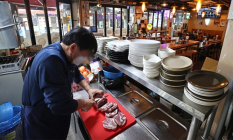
<point x="93" y="120"/>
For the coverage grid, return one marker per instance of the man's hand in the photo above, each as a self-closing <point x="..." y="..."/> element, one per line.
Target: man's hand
<point x="95" y="93"/>
<point x="85" y="104"/>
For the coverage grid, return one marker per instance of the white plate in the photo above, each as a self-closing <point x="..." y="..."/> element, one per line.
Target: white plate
<point x="136" y="64"/>
<point x="203" y="92"/>
<point x="141" y="53"/>
<point x="199" y="101"/>
<point x="214" y="99"/>
<point x="170" y="85"/>
<point x="177" y="63"/>
<point x="136" y="61"/>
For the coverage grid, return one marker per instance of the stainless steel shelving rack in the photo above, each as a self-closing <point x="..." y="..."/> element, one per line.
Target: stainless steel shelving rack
<point x="174" y="95"/>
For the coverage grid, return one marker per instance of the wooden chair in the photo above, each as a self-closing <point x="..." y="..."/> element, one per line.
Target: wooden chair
<point x="180" y="51"/>
<point x="192" y="54"/>
<point x="167" y="41"/>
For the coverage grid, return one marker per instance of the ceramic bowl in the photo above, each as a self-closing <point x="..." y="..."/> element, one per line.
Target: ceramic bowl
<point x="172" y="77"/>
<point x="151" y="60"/>
<point x="172" y="83"/>
<point x="177" y="63"/>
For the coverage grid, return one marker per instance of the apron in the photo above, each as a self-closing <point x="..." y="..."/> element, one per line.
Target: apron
<point x="34" y="125"/>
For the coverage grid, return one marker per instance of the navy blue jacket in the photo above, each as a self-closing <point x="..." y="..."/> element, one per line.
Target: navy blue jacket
<point x="47" y="98"/>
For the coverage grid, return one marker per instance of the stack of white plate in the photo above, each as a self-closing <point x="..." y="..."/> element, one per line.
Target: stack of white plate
<point x="140" y="47"/>
<point x="151" y="65"/>
<point x="174" y="70"/>
<point x="205" y="87"/>
<point x="102" y="41"/>
<point x="163" y="53"/>
<point x="118" y="45"/>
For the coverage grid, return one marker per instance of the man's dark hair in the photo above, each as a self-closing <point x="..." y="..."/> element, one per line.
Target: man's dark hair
<point x="82" y="37"/>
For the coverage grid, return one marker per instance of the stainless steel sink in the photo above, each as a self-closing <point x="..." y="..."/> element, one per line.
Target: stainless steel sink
<point x="135" y="102"/>
<point x="163" y="126"/>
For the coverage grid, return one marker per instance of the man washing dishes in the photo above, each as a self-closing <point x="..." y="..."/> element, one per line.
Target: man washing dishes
<point x="47" y="101"/>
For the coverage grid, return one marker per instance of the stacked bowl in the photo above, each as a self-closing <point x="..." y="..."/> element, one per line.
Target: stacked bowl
<point x="174" y="69"/>
<point x="140" y="47"/>
<point x="163" y="53"/>
<point x="205" y="87"/>
<point x="151" y="65"/>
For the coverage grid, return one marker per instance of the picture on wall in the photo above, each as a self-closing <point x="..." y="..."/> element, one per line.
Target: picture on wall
<point x="216" y="22"/>
<point x="223" y="22"/>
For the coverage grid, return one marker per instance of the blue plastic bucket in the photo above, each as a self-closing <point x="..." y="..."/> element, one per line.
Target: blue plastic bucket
<point x="7" y="128"/>
<point x="6" y="111"/>
<point x="111" y="72"/>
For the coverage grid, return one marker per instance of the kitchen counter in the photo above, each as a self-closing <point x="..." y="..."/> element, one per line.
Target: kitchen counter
<point x="174" y="95"/>
<point x="129" y="133"/>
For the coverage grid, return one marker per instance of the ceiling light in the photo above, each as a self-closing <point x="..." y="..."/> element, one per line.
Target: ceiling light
<point x="218" y="8"/>
<point x="198" y="7"/>
<point x="203" y="14"/>
<point x="194" y="9"/>
<point x="174" y="9"/>
<point x="183" y="7"/>
<point x="99" y="4"/>
<point x="143" y="6"/>
<point x="164" y="4"/>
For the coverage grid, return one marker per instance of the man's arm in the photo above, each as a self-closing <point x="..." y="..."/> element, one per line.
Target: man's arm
<point x="93" y="93"/>
<point x="53" y="81"/>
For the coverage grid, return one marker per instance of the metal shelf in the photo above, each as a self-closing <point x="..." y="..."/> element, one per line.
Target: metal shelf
<point x="174" y="95"/>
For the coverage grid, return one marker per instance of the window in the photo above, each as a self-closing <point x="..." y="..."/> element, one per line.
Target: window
<point x="132" y="14"/>
<point x="92" y="16"/>
<point x="100" y="20"/>
<point x="109" y="21"/>
<point x="53" y="21"/>
<point x="150" y="17"/>
<point x="165" y="18"/>
<point x="65" y="15"/>
<point x="117" y="21"/>
<point x="155" y="19"/>
<point x="24" y="31"/>
<point x="159" y="20"/>
<point x="39" y="25"/>
<point x="124" y="21"/>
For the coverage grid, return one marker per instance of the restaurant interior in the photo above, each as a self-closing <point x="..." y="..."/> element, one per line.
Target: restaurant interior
<point x="167" y="64"/>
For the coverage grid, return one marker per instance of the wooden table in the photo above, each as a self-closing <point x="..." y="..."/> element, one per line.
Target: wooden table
<point x="169" y="40"/>
<point x="215" y="41"/>
<point x="175" y="46"/>
<point x="205" y="45"/>
<point x="161" y="31"/>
